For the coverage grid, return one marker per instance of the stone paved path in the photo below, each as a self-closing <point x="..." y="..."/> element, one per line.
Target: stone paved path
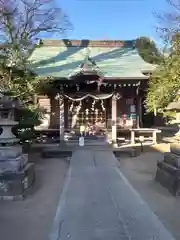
<point x="98" y="203"/>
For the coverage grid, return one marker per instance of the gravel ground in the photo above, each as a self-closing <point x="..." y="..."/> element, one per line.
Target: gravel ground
<point x="140" y="172"/>
<point x="33" y="217"/>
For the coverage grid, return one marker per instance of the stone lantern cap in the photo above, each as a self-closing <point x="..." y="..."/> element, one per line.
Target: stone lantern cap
<point x="6" y="103"/>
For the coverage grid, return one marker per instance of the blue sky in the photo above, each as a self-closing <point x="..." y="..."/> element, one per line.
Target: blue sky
<point x="112" y="19"/>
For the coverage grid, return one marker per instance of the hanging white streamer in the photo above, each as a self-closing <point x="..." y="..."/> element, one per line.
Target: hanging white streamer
<point x="93" y="104"/>
<point x="71" y="107"/>
<point x="75" y="116"/>
<point x="102" y="105"/>
<point x="98" y="97"/>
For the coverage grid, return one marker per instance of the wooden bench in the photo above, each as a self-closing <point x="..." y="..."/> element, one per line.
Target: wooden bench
<point x="142" y="132"/>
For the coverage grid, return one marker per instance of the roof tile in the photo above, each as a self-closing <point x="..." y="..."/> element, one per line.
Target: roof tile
<point x="62" y="58"/>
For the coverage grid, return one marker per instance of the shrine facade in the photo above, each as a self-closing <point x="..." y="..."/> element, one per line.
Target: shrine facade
<point x="100" y="85"/>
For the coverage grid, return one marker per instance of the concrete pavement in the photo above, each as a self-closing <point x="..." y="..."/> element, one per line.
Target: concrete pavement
<point x="98" y="203"/>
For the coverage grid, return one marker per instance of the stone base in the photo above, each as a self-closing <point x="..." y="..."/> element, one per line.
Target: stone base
<point x="114" y="145"/>
<point x="14" y="185"/>
<point x="175" y="148"/>
<point x="10" y="151"/>
<point x="120" y="152"/>
<point x="13" y="164"/>
<point x="168" y="180"/>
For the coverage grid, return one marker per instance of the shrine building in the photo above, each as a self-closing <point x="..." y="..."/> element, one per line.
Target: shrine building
<point x="95" y="82"/>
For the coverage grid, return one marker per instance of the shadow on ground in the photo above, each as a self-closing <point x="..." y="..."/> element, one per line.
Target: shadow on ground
<point x="33" y="217"/>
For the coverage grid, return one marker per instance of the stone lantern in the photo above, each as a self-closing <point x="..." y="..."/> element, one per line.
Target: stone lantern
<point x="16" y="173"/>
<point x="175" y="106"/>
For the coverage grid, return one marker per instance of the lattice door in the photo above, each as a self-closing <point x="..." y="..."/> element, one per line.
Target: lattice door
<point x="87" y="113"/>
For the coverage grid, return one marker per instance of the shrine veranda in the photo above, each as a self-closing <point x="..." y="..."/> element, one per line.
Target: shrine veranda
<point x="98" y="84"/>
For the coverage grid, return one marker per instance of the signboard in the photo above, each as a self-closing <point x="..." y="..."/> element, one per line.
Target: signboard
<point x="129" y="101"/>
<point x="132" y="108"/>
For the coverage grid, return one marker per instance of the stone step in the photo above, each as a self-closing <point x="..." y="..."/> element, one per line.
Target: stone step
<point x="57" y="151"/>
<point x="86" y="143"/>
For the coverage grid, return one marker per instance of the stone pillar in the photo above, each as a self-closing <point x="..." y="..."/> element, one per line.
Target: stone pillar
<point x="114" y="120"/>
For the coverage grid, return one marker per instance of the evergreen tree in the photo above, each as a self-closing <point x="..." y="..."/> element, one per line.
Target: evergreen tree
<point x="148" y="51"/>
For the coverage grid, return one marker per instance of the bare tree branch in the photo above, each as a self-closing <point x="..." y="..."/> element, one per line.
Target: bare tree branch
<point x="22" y="22"/>
<point x="168" y="23"/>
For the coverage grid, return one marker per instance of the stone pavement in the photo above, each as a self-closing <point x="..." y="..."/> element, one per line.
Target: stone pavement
<point x="98" y="203"/>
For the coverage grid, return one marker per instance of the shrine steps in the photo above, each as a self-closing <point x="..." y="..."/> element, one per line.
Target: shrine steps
<point x="65" y="151"/>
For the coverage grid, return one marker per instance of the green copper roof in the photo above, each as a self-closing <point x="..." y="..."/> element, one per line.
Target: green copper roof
<point x="65" y="58"/>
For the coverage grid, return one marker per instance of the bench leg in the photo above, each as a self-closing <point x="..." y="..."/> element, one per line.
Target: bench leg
<point x="154" y="138"/>
<point x="132" y="137"/>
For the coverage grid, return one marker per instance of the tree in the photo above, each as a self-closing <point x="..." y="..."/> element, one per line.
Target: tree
<point x="22" y="23"/>
<point x="168" y="23"/>
<point x="165" y="80"/>
<point x="148" y="51"/>
<point x="21" y="84"/>
<point x="164" y="84"/>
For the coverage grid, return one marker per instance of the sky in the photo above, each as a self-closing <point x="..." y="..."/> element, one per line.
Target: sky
<point x="112" y="19"/>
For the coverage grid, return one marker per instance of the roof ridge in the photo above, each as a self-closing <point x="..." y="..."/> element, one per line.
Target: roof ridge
<point x="87" y="43"/>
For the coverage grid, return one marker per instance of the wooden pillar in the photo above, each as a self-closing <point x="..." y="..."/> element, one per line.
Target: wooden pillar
<point x="61" y="117"/>
<point x="137" y="112"/>
<point x="54" y="113"/>
<point x="114" y="119"/>
<point x="66" y="114"/>
<point x="138" y="108"/>
<point x="140" y="112"/>
<point x="106" y="113"/>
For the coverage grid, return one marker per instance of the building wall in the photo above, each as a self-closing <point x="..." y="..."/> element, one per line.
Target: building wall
<point x="53" y="113"/>
<point x="44" y="102"/>
<point x="126" y="111"/>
